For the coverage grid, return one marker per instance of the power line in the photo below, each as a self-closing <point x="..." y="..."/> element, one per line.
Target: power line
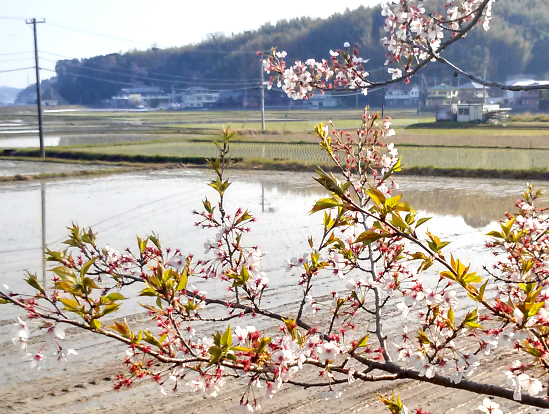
<point x="63" y="26"/>
<point x="12" y="18"/>
<point x="15" y="53"/>
<point x="15" y="70"/>
<point x="196" y="50"/>
<point x="148" y="78"/>
<point x="160" y="74"/>
<point x="15" y="60"/>
<point x="134" y="84"/>
<point x="91" y="77"/>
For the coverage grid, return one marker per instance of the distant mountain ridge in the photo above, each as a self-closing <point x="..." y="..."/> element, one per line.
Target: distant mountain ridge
<point x="8" y="95"/>
<point x="517" y="42"/>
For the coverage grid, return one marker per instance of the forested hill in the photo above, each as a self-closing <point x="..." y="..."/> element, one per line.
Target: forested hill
<point x="517" y="43"/>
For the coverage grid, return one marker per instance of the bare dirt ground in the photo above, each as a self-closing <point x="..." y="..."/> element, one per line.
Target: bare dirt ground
<point x="86" y="385"/>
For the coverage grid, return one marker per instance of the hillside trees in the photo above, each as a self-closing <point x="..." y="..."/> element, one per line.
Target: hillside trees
<point x="516" y="36"/>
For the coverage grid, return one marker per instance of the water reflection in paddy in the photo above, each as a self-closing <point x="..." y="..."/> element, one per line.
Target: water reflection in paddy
<point x="122" y="206"/>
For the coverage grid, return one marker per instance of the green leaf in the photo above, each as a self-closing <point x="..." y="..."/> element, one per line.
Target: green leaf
<point x="535" y="308"/>
<point x="120" y="328"/>
<point x="263" y="344"/>
<point x="215" y="353"/>
<point x="183" y="279"/>
<point x="422" y="337"/>
<point x="70" y="304"/>
<point x="89" y="283"/>
<point x="87" y="266"/>
<point x="325" y="203"/>
<point x="496" y="234"/>
<point x="482" y="289"/>
<point x="422" y="220"/>
<point x="241" y="349"/>
<point x="363" y="341"/>
<point x="377" y="196"/>
<point x="392" y="202"/>
<point x="451" y="315"/>
<point x="148" y="291"/>
<point x="227" y="338"/>
<point x="115" y="296"/>
<point x="398" y="222"/>
<point x="33" y="281"/>
<point x="95" y="324"/>
<point x="64" y="272"/>
<point x="110" y="308"/>
<point x="369" y="236"/>
<point x="472" y="278"/>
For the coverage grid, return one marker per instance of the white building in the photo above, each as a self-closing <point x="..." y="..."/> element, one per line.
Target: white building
<point x="197" y="98"/>
<point x="319" y="100"/>
<point x="402" y="96"/>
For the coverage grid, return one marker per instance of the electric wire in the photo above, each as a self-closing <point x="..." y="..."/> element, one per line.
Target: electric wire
<point x="192" y="82"/>
<point x="15" y="70"/>
<point x="134" y="85"/>
<point x="66" y="27"/>
<point x="15" y="53"/>
<point x="16" y="60"/>
<point x="159" y="74"/>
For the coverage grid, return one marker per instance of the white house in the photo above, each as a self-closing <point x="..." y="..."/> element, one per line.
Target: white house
<point x="139" y="95"/>
<point x="319" y="100"/>
<point x="524" y="99"/>
<point x="197" y="98"/>
<point x="402" y="96"/>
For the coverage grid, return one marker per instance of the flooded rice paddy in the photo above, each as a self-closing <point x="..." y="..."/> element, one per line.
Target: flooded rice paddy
<point x="119" y="207"/>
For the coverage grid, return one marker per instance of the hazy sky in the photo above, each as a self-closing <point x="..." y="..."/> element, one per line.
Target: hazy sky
<point x="78" y="29"/>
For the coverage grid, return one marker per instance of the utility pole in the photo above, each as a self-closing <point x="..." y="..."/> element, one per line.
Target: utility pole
<point x="382" y="102"/>
<point x="44" y="246"/>
<point x="484" y="86"/>
<point x="418" y="96"/>
<point x="262" y="98"/>
<point x="38" y="91"/>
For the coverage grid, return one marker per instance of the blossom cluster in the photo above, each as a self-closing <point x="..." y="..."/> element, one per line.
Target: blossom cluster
<point x="414" y="37"/>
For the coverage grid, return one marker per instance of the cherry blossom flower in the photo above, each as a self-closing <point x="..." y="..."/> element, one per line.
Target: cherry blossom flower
<point x="53" y="332"/>
<point x="401" y="306"/>
<point x="22" y="334"/>
<point x="37" y="361"/>
<point x="327" y="351"/>
<point x="490" y="407"/>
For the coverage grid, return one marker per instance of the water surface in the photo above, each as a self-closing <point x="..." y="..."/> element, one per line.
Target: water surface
<point x="119" y="207"/>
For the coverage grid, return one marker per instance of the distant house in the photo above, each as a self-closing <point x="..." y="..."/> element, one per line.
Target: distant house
<point x="402" y="96"/>
<point x="197" y="98"/>
<point x="472" y="92"/>
<point x="442" y="95"/>
<point x="321" y="101"/>
<point x="470" y="112"/>
<point x="140" y="95"/>
<point x="230" y="99"/>
<point x="530" y="100"/>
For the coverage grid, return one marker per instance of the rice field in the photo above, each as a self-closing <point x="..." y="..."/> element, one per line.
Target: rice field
<point x="412" y="156"/>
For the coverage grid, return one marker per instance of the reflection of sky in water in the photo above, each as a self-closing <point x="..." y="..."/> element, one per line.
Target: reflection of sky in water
<point x="123" y="206"/>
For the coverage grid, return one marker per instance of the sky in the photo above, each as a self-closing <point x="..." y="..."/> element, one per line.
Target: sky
<point x="78" y="29"/>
